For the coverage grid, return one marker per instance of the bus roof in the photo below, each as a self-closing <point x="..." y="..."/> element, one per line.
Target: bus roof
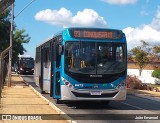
<point x="92" y="28"/>
<point x="50" y="38"/>
<point x="77" y="28"/>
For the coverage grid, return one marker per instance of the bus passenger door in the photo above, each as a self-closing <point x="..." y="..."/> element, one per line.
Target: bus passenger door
<point x="52" y="68"/>
<point x="57" y="67"/>
<point x="41" y="75"/>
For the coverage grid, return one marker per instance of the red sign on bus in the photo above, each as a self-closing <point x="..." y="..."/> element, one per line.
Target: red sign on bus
<point x="96" y="34"/>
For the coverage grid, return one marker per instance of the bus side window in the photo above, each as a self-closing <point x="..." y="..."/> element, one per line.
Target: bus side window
<point x="58" y="57"/>
<point x="46" y="60"/>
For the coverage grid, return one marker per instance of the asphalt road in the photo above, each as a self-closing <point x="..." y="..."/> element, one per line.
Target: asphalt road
<point x="95" y="112"/>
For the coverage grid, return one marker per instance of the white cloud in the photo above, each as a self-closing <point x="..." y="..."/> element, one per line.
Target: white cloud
<point x="156" y="21"/>
<point x="120" y="1"/>
<point x="64" y="17"/>
<point x="88" y="17"/>
<point x="54" y="17"/>
<point x="146" y="33"/>
<point x="149" y="33"/>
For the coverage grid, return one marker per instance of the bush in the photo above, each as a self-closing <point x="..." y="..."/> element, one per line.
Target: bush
<point x="133" y="82"/>
<point x="156" y="73"/>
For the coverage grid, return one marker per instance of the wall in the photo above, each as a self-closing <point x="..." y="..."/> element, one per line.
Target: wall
<point x="145" y="76"/>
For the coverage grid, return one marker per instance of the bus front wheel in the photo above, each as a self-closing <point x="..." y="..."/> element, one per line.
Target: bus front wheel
<point x="58" y="101"/>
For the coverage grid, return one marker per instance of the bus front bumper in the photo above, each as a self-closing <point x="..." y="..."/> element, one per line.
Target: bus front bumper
<point x="86" y="95"/>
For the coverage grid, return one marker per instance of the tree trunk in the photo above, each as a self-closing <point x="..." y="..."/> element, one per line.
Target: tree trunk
<point x="140" y="72"/>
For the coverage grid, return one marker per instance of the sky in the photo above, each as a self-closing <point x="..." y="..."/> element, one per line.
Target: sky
<point x="138" y="19"/>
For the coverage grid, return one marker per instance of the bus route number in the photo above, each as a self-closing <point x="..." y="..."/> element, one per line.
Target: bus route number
<point x="76" y="33"/>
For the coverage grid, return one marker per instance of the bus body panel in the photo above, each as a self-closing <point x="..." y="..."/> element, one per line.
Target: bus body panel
<point x="37" y="73"/>
<point x="46" y="78"/>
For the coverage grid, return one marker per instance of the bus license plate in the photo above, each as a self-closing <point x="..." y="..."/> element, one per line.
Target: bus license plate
<point x="95" y="92"/>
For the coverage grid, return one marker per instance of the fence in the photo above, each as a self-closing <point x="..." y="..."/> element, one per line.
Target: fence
<point x="3" y="67"/>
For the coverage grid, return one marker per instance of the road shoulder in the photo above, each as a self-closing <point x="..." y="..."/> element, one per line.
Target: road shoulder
<point x="145" y="94"/>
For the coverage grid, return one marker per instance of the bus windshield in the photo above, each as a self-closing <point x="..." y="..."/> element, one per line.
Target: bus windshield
<point x="27" y="63"/>
<point x="95" y="57"/>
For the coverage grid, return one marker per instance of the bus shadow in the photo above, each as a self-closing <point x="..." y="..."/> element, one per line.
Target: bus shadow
<point x="91" y="105"/>
<point x="113" y="105"/>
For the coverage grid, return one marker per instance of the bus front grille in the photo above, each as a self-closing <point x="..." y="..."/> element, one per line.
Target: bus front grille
<point x="88" y="95"/>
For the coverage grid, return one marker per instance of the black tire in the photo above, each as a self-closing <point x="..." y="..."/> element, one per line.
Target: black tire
<point x="43" y="92"/>
<point x="58" y="101"/>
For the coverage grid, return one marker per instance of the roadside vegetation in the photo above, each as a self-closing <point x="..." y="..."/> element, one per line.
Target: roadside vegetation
<point x="141" y="57"/>
<point x="144" y="54"/>
<point x="156" y="73"/>
<point x="134" y="83"/>
<point x="19" y="36"/>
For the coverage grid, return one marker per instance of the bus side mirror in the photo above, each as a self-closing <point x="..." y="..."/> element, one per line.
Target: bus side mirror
<point x="60" y="50"/>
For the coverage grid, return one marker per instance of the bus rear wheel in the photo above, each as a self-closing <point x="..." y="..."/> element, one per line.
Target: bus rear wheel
<point x="58" y="101"/>
<point x="43" y="92"/>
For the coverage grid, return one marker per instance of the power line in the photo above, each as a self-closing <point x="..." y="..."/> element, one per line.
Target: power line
<point x="24" y="8"/>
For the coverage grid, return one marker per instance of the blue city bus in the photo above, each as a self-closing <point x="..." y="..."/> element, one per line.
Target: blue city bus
<point x="83" y="64"/>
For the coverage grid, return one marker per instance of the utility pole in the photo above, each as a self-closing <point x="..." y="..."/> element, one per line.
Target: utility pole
<point x="10" y="52"/>
<point x="11" y="39"/>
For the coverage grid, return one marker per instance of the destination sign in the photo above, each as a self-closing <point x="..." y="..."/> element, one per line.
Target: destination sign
<point x="96" y="34"/>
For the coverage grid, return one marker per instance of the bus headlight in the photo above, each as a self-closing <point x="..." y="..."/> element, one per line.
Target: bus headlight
<point x="66" y="82"/>
<point x="21" y="68"/>
<point x="70" y="85"/>
<point x="121" y="84"/>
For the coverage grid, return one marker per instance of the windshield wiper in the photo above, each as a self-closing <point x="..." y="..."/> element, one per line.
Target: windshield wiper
<point x="111" y="66"/>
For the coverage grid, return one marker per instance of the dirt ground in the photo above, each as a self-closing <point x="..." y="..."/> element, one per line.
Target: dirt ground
<point x="134" y="66"/>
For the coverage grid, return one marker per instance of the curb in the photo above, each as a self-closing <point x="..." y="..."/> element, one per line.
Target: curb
<point x="60" y="112"/>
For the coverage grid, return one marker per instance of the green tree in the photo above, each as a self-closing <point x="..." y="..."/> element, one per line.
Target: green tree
<point x="19" y="36"/>
<point x="156" y="49"/>
<point x="141" y="56"/>
<point x="155" y="54"/>
<point x="156" y="73"/>
<point x="130" y="57"/>
<point x="4" y="30"/>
